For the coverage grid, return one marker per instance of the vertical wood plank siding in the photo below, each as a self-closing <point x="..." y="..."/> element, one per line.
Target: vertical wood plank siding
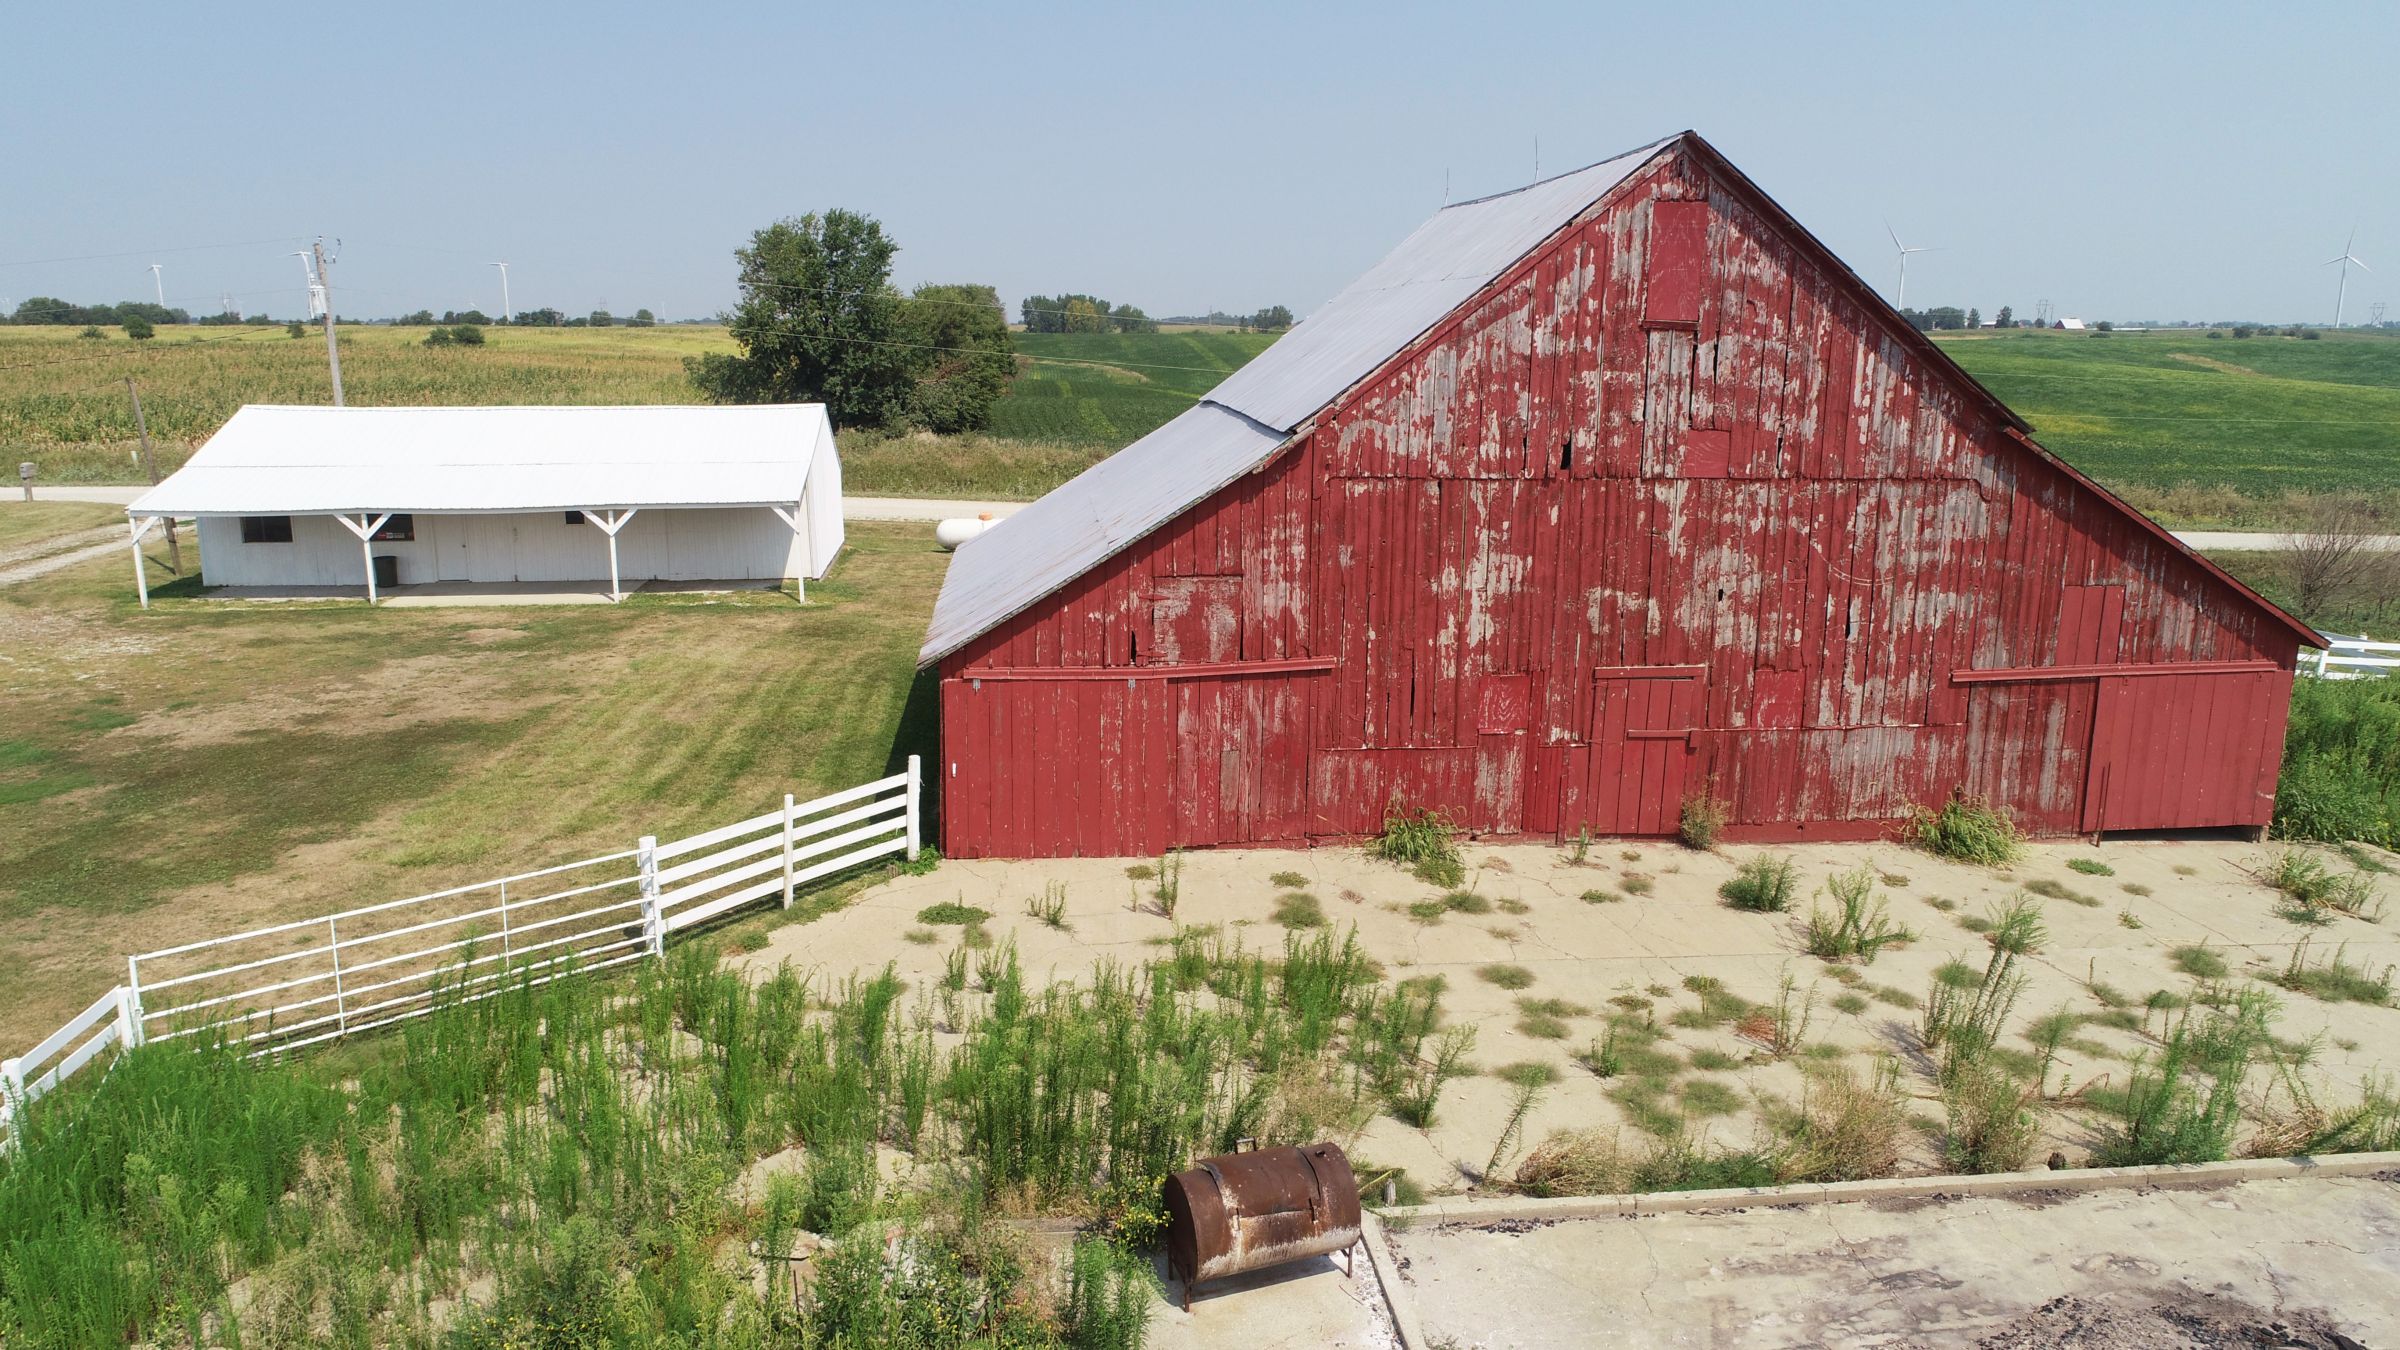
<point x="1672" y="444"/>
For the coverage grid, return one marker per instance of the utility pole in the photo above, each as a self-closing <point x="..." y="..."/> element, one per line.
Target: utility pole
<point x="333" y="354"/>
<point x="150" y="467"/>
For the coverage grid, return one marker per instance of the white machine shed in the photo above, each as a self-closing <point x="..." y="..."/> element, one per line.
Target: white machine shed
<point x="314" y="496"/>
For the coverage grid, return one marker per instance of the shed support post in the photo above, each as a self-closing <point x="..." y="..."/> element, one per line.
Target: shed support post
<point x="654" y="924"/>
<point x="365" y="530"/>
<point x="916" y="806"/>
<point x="141" y="575"/>
<point x="609" y="522"/>
<point x="797" y="521"/>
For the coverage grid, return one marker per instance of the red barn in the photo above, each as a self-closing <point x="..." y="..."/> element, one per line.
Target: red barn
<point x="1590" y="497"/>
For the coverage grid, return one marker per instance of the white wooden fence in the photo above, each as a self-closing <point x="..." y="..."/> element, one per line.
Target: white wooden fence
<point x="2352" y="659"/>
<point x="293" y="984"/>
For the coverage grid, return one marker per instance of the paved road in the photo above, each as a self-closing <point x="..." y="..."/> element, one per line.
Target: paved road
<point x="853" y="508"/>
<point x="2126" y="1267"/>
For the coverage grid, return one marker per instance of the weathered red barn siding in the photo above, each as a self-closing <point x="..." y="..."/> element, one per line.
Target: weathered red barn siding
<point x="1671" y="507"/>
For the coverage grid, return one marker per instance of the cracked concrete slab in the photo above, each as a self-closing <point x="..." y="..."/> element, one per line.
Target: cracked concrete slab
<point x="2303" y="1262"/>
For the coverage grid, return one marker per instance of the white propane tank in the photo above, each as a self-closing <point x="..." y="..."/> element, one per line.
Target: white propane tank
<point x="951" y="533"/>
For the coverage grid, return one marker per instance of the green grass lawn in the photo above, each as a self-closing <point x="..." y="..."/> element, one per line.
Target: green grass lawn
<point x="210" y="765"/>
<point x="2261" y="415"/>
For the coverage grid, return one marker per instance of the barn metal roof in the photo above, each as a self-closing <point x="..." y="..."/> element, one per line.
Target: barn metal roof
<point x="273" y="460"/>
<point x="1102" y="510"/>
<point x="1449" y="258"/>
<point x="1243" y="420"/>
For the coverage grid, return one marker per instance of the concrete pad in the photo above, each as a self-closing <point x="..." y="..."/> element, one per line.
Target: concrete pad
<point x="1642" y="946"/>
<point x="2317" y="1255"/>
<point x="1305" y="1304"/>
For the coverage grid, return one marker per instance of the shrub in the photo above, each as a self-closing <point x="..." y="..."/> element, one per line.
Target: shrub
<point x="1847" y="1128"/>
<point x="1702" y="820"/>
<point x="1989" y="1120"/>
<point x="1967" y="829"/>
<point x="1763" y="884"/>
<point x="1862" y="926"/>
<point x="138" y="329"/>
<point x="92" y="330"/>
<point x="1424" y="841"/>
<point x="2341" y="763"/>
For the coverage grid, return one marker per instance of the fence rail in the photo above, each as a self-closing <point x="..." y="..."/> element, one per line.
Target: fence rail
<point x="289" y="985"/>
<point x="2353" y="659"/>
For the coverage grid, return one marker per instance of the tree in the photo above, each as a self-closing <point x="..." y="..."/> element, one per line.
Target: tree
<point x="544" y="317"/>
<point x="295" y="329"/>
<point x="1130" y="319"/>
<point x="1272" y="319"/>
<point x="2333" y="556"/>
<point x="465" y="316"/>
<point x="417" y="320"/>
<point x="818" y="322"/>
<point x="137" y="327"/>
<point x="601" y="318"/>
<point x="642" y="318"/>
<point x="960" y="337"/>
<point x="1974" y="318"/>
<point x="2005" y="319"/>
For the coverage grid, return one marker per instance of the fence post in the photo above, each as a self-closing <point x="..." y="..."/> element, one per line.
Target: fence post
<point x="787" y="850"/>
<point x="916" y="792"/>
<point x="654" y="924"/>
<point x="129" y="1006"/>
<point x="12" y="1098"/>
<point x="341" y="1006"/>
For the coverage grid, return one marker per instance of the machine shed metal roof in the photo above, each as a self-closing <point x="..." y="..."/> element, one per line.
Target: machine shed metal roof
<point x="273" y="460"/>
<point x="1254" y="411"/>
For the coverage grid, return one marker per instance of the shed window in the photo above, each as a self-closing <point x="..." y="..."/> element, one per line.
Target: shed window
<point x="401" y="527"/>
<point x="574" y="517"/>
<point x="266" y="529"/>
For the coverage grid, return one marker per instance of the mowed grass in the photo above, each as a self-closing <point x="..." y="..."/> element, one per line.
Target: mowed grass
<point x="2261" y="414"/>
<point x="212" y="765"/>
<point x="25" y="527"/>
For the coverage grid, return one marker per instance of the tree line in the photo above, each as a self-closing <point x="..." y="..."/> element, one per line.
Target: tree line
<point x="49" y="309"/>
<point x="1074" y="313"/>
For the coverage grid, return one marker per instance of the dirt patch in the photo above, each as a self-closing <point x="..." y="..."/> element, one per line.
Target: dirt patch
<point x="2212" y="363"/>
<point x="59" y="543"/>
<point x="409" y="691"/>
<point x="2180" y="1319"/>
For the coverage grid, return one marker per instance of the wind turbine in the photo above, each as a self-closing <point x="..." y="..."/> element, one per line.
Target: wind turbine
<point x="1901" y="301"/>
<point x="158" y="281"/>
<point x="2342" y="292"/>
<point x="507" y="314"/>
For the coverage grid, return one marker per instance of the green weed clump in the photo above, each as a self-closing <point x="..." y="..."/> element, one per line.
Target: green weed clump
<point x="2341" y="763"/>
<point x="1637" y="883"/>
<point x="1860" y="927"/>
<point x="2314" y="887"/>
<point x="1424" y="841"/>
<point x="1701" y="820"/>
<point x="1763" y="884"/>
<point x="1288" y="881"/>
<point x="2091" y="867"/>
<point x="952" y="911"/>
<point x="2200" y="961"/>
<point x="1506" y="976"/>
<point x="2052" y="890"/>
<point x="1299" y="910"/>
<point x="2335" y="979"/>
<point x="2184" y="1106"/>
<point x="1967" y="829"/>
<point x="1050" y="906"/>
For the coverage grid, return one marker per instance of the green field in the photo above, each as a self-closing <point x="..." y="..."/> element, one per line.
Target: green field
<point x="1111" y="389"/>
<point x="2260" y="415"/>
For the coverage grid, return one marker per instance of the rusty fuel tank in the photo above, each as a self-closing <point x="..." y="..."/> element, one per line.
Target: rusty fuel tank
<point x="1245" y="1211"/>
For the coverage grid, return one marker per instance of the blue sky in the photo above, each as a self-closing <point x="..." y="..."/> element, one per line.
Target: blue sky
<point x="2121" y="160"/>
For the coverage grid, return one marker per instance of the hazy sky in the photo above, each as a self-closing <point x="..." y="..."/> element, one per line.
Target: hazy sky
<point x="2122" y="160"/>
